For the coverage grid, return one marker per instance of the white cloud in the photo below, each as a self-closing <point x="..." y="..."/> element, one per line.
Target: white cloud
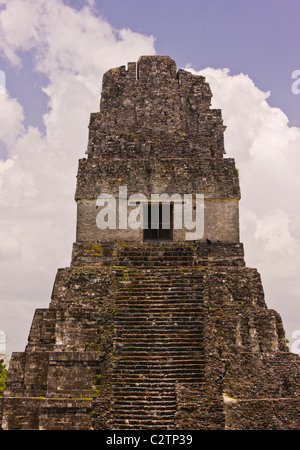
<point x="11" y="119"/>
<point x="273" y="230"/>
<point x="2" y="344"/>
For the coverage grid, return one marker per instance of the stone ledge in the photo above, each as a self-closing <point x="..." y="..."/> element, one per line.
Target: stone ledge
<point x="189" y="252"/>
<point x="214" y="178"/>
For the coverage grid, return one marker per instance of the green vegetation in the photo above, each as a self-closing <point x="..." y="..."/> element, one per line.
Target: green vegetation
<point x="98" y="383"/>
<point x="3" y="375"/>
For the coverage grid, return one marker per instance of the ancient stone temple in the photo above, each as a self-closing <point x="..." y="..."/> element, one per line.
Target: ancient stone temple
<point x="158" y="323"/>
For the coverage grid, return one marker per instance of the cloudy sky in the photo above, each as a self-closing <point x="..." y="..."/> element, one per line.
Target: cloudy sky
<point x="53" y="55"/>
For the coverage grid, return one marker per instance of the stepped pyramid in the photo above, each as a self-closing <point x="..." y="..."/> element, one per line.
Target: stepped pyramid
<point x="155" y="325"/>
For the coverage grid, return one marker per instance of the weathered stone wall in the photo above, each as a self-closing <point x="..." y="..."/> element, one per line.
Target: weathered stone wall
<point x="212" y="177"/>
<point x="247" y="353"/>
<point x="61" y="368"/>
<point x="156" y="134"/>
<point x="153" y="110"/>
<point x="199" y="407"/>
<point x="217" y="180"/>
<point x="220" y="223"/>
<point x="263" y="414"/>
<point x="65" y="372"/>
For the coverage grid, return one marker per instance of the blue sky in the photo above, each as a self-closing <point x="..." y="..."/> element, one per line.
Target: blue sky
<point x="54" y="55"/>
<point x="258" y="37"/>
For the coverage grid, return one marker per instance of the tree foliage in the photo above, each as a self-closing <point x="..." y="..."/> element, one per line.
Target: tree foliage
<point x="3" y="375"/>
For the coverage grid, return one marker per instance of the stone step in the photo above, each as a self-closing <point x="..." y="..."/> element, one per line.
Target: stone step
<point x="164" y="388"/>
<point x="144" y="315"/>
<point x="148" y="311"/>
<point x="180" y="305"/>
<point x="149" y="424"/>
<point x="147" y="403"/>
<point x="166" y="254"/>
<point x="141" y="426"/>
<point x="192" y="273"/>
<point x="159" y="346"/>
<point x="156" y="285"/>
<point x="173" y="246"/>
<point x="161" y="298"/>
<point x="167" y="325"/>
<point x="198" y="364"/>
<point x="170" y="278"/>
<point x="144" y="407"/>
<point x="134" y="416"/>
<point x="158" y="340"/>
<point x="148" y="350"/>
<point x="157" y="294"/>
<point x="194" y="377"/>
<point x="166" y="282"/>
<point x="143" y="354"/>
<point x="143" y="335"/>
<point x="168" y="300"/>
<point x="152" y="260"/>
<point x="126" y="408"/>
<point x="159" y="331"/>
<point x="163" y="325"/>
<point x="142" y="311"/>
<point x="152" y="378"/>
<point x="160" y="259"/>
<point x="158" y="350"/>
<point x="144" y="390"/>
<point x="172" y="251"/>
<point x="157" y="308"/>
<point x="158" y="253"/>
<point x="144" y="400"/>
<point x="139" y="368"/>
<point x="159" y="361"/>
<point x="157" y="377"/>
<point x="126" y="398"/>
<point x="144" y="417"/>
<point x="153" y="321"/>
<point x="154" y="264"/>
<point x="154" y="324"/>
<point x="166" y="368"/>
<point x="157" y="291"/>
<point x="168" y="365"/>
<point x="191" y="325"/>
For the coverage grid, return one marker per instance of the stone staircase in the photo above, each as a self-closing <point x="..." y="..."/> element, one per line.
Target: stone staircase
<point x="158" y="342"/>
<point x="158" y="254"/>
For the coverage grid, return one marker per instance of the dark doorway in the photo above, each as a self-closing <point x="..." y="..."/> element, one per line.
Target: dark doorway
<point x="158" y="222"/>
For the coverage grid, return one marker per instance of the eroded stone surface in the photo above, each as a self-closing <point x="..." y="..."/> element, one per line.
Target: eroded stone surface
<point x="155" y="335"/>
